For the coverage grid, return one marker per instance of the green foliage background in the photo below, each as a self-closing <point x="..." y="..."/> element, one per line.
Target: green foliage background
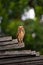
<point x="11" y="11"/>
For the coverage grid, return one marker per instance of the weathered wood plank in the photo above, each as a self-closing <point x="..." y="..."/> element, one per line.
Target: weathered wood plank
<point x="7" y="38"/>
<point x="13" y="46"/>
<point x="19" y="53"/>
<point x="26" y="63"/>
<point x="15" y="55"/>
<point x="8" y="42"/>
<point x="34" y="60"/>
<point x="16" y="52"/>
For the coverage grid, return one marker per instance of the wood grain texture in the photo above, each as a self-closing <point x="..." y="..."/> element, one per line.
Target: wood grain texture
<point x="5" y="38"/>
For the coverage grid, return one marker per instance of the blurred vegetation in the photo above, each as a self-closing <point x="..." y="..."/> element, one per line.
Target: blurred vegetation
<point x="33" y="27"/>
<point x="11" y="10"/>
<point x="12" y="28"/>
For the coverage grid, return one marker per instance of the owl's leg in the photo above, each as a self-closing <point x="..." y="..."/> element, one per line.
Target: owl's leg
<point x="21" y="40"/>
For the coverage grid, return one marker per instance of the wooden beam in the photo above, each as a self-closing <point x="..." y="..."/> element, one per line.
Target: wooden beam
<point x="7" y="38"/>
<point x="9" y="42"/>
<point x="12" y="46"/>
